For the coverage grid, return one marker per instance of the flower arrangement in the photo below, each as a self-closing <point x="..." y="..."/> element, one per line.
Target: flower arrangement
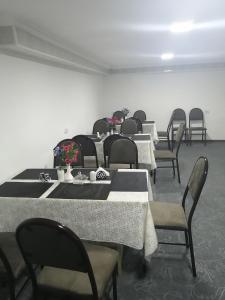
<point x="125" y="111"/>
<point x="67" y="153"/>
<point x="114" y="121"/>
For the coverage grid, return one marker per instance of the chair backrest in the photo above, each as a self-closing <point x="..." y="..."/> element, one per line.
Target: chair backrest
<point x="101" y="126"/>
<point x="140" y="114"/>
<point x="129" y="126"/>
<point x="119" y="114"/>
<point x="139" y="123"/>
<point x="123" y="151"/>
<point x="179" y="136"/>
<point x="196" y="183"/>
<point x="87" y="144"/>
<point x="108" y="142"/>
<point x="170" y="123"/>
<point x="196" y="115"/>
<point x="59" y="162"/>
<point x="179" y="115"/>
<point x="48" y="243"/>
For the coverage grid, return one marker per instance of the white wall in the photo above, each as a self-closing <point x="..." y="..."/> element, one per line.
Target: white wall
<point x="38" y="103"/>
<point x="159" y="93"/>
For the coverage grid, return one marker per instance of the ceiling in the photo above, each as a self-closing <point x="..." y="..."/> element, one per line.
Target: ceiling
<point x="121" y="34"/>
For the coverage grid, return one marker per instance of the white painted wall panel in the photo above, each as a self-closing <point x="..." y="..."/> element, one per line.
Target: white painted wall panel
<point x="159" y="93"/>
<point x="38" y="103"/>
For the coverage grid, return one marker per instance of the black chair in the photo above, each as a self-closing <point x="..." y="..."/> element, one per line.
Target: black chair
<point x="12" y="265"/>
<point x="196" y="116"/>
<point x="58" y="161"/>
<point x="173" y="216"/>
<point x="88" y="149"/>
<point x="123" y="151"/>
<point x="129" y="126"/>
<point x="171" y="156"/>
<point x="139" y="124"/>
<point x="107" y="146"/>
<point x="119" y="115"/>
<point x="101" y="126"/>
<point x="179" y="116"/>
<point x="164" y="136"/>
<point x="69" y="267"/>
<point x="140" y="114"/>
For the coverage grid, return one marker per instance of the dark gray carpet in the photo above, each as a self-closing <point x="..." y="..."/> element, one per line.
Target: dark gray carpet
<point x="169" y="275"/>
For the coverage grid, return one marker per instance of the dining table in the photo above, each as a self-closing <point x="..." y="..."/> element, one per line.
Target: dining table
<point x="145" y="147"/>
<point x="114" y="210"/>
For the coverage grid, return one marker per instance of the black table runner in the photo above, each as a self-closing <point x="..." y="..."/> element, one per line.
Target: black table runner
<point x="34" y="174"/>
<point x="129" y="182"/>
<point x="81" y="191"/>
<point x="24" y="189"/>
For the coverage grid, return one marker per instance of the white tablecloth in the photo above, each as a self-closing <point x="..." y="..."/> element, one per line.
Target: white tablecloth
<point x="124" y="218"/>
<point x="151" y="128"/>
<point x="145" y="148"/>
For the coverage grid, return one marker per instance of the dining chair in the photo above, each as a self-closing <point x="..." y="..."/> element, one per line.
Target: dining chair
<point x="107" y="146"/>
<point x="164" y="136"/>
<point x="129" y="126"/>
<point x="59" y="162"/>
<point x="68" y="266"/>
<point x="101" y="126"/>
<point x="139" y="124"/>
<point x="12" y="265"/>
<point x="197" y="124"/>
<point x="88" y="149"/>
<point x="174" y="216"/>
<point x="123" y="151"/>
<point x="119" y="115"/>
<point x="140" y="114"/>
<point x="179" y="116"/>
<point x="171" y="155"/>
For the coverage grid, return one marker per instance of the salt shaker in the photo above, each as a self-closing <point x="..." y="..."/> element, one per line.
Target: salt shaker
<point x="92" y="176"/>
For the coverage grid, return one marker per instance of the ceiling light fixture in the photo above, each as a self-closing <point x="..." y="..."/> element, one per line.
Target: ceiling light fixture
<point x="180" y="27"/>
<point x="167" y="56"/>
<point x="167" y="71"/>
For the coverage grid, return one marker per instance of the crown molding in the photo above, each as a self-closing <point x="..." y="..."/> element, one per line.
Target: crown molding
<point x="27" y="44"/>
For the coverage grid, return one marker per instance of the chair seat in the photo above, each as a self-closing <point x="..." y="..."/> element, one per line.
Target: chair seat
<point x="9" y="246"/>
<point x="169" y="215"/>
<point x="196" y="128"/>
<point x="162" y="133"/>
<point x="103" y="261"/>
<point x="164" y="154"/>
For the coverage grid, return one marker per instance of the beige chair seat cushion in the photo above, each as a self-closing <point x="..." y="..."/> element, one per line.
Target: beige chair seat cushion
<point x="164" y="154"/>
<point x="168" y="215"/>
<point x="103" y="261"/>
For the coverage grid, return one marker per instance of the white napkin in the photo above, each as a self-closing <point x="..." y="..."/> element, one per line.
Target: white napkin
<point x="103" y="170"/>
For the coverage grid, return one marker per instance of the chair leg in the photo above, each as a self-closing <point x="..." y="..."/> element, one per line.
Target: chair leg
<point x="115" y="283"/>
<point x="186" y="239"/>
<point x="205" y="137"/>
<point x="192" y="253"/>
<point x="178" y="170"/>
<point x="154" y="176"/>
<point x="173" y="168"/>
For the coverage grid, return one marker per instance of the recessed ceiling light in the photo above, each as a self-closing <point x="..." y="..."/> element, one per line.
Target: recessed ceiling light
<point x="167" y="56"/>
<point x="182" y="27"/>
<point x="168" y="71"/>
